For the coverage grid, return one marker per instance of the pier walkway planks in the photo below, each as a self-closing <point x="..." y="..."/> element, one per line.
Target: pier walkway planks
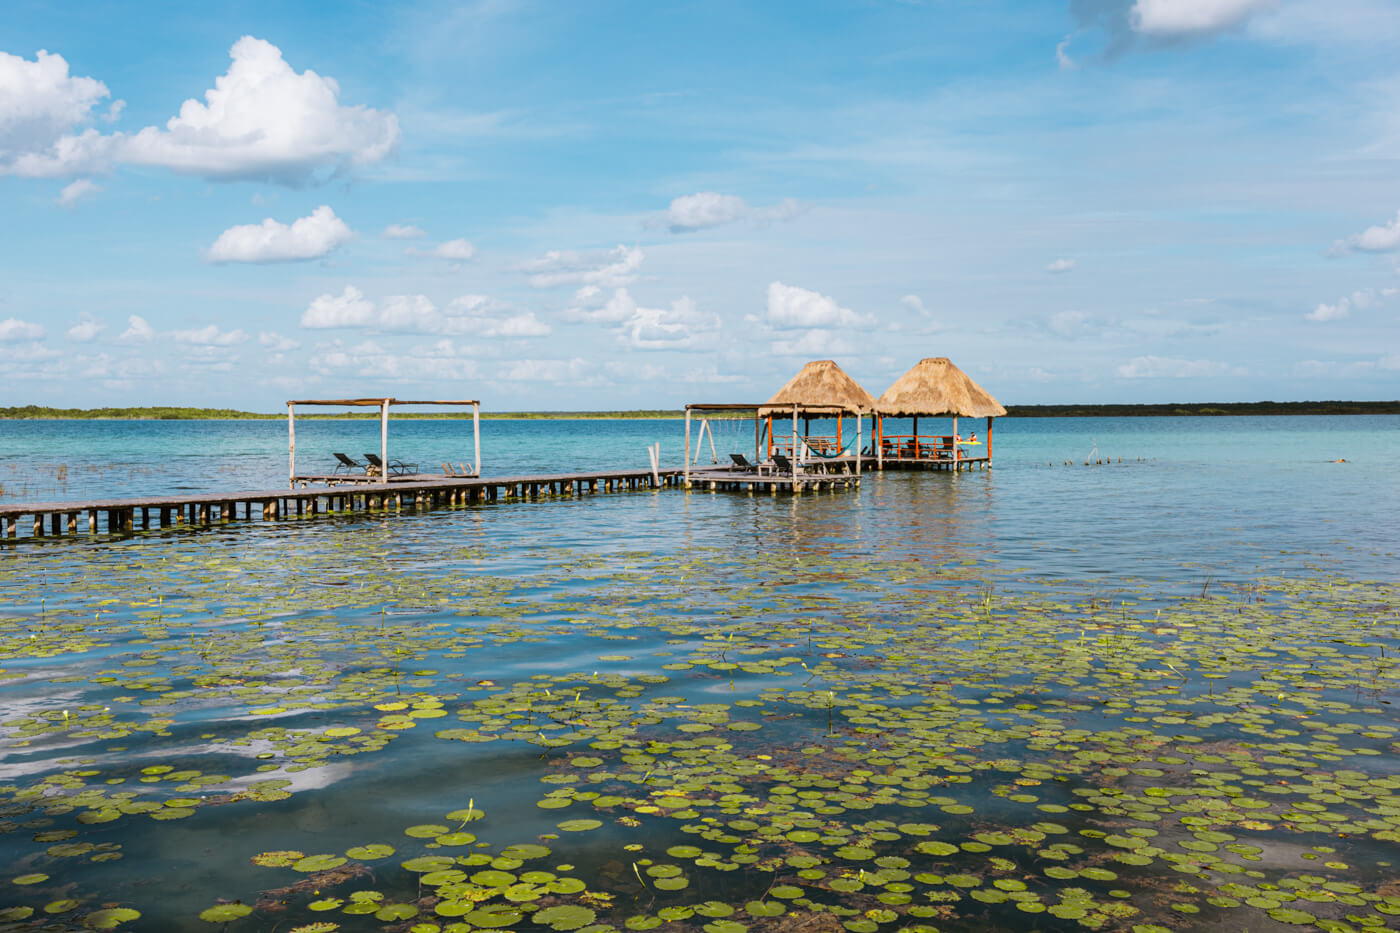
<point x="118" y="516"/>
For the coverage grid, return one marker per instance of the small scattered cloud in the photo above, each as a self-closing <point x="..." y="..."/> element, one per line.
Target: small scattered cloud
<point x="276" y="343"/>
<point x="309" y="237"/>
<point x="1381" y="238"/>
<point x="1361" y="299"/>
<point x="813" y="344"/>
<point x="86" y="329"/>
<point x="209" y="336"/>
<point x="73" y="192"/>
<point x="1060" y="266"/>
<point x="476" y="315"/>
<point x="707" y="209"/>
<point x="1118" y="26"/>
<point x="1161" y="367"/>
<point x="1062" y="54"/>
<point x="441" y="360"/>
<point x="403" y="232"/>
<point x="613" y="268"/>
<point x="458" y="250"/>
<point x="681" y="326"/>
<point x="13" y="330"/>
<point x="570" y="371"/>
<point x="1070" y="323"/>
<point x="916" y="304"/>
<point x="137" y="330"/>
<point x="792" y="307"/>
<point x="1176" y="19"/>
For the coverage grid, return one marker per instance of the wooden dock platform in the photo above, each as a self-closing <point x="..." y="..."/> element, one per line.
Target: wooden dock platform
<point x="720" y="478"/>
<point x="125" y="516"/>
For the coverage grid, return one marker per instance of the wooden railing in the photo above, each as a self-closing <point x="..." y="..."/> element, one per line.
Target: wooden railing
<point x="919" y="447"/>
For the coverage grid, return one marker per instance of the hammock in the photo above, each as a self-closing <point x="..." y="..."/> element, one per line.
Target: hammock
<point x="817" y="453"/>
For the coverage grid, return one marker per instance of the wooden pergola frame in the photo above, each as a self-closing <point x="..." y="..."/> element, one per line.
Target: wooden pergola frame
<point x="383" y="404"/>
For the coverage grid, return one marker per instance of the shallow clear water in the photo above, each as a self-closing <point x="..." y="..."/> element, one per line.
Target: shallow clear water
<point x="1192" y="612"/>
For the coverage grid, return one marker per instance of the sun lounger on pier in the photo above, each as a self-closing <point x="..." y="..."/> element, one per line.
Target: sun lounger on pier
<point x="347" y="464"/>
<point x="396" y="467"/>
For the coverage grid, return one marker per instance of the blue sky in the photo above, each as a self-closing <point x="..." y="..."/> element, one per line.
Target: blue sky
<point x="635" y="205"/>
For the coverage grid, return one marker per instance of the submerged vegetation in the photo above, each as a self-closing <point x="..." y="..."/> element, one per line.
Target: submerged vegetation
<point x="327" y="737"/>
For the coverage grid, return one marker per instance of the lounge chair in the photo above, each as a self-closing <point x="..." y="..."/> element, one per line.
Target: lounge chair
<point x="346" y="464"/>
<point x="742" y="463"/>
<point x="396" y="467"/>
<point x="783" y="464"/>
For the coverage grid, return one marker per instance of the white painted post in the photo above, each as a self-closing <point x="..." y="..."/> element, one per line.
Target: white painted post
<point x="476" y="435"/>
<point x="794" y="446"/>
<point x="291" y="445"/>
<point x="859" y="419"/>
<point x="384" y="442"/>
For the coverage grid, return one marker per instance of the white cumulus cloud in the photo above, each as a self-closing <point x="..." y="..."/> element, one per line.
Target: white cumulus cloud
<point x="403" y="232"/>
<point x="309" y="237"/>
<point x="1380" y="238"/>
<point x="348" y="309"/>
<point x="262" y="120"/>
<point x="13" y="330"/>
<point x="87" y="328"/>
<point x="1183" y="18"/>
<point x="793" y="307"/>
<point x="39" y="103"/>
<point x="711" y="209"/>
<point x="1060" y="266"/>
<point x="137" y="330"/>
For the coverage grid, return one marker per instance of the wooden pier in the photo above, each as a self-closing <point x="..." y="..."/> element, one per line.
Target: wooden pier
<point x="126" y="516"/>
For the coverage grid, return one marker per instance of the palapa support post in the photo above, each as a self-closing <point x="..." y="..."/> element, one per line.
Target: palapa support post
<point x="989" y="440"/>
<point x="687" y="447"/>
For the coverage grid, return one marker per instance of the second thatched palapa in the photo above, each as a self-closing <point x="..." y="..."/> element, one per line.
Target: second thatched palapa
<point x="936" y="387"/>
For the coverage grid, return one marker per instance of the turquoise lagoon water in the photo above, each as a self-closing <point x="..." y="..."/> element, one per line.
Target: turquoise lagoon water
<point x="1010" y="653"/>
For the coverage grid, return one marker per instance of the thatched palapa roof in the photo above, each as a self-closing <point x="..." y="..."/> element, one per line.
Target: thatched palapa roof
<point x="936" y="387"/>
<point x="820" y="386"/>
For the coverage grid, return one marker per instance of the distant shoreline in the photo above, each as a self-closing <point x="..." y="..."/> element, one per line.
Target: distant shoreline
<point x="1164" y="409"/>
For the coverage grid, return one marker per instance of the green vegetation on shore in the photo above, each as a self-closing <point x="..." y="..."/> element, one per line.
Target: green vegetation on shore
<point x="175" y="413"/>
